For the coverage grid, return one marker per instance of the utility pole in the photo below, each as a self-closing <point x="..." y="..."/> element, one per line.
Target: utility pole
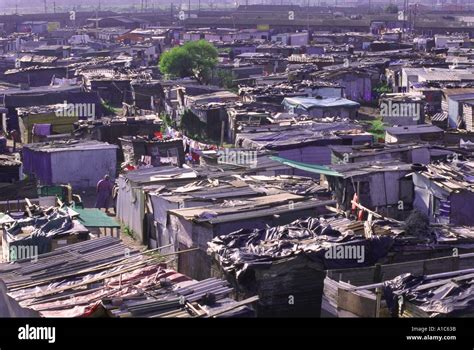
<point x="54" y="6"/>
<point x="45" y="6"/>
<point x="189" y="9"/>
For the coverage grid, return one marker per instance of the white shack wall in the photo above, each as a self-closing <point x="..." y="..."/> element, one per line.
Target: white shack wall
<point x="131" y="207"/>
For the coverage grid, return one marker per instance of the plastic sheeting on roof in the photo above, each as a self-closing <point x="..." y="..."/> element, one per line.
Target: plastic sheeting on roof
<point x="438" y="296"/>
<point x="244" y="250"/>
<point x="52" y="225"/>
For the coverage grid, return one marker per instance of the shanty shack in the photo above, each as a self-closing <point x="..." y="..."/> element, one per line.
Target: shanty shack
<point x="195" y="227"/>
<point x="10" y="168"/>
<point x="112" y="129"/>
<point x="142" y="210"/>
<point x="422" y="298"/>
<point x="357" y="83"/>
<point x="322" y="107"/>
<point x="152" y="151"/>
<point x="231" y="189"/>
<point x="34" y="76"/>
<point x="79" y="163"/>
<point x="414" y="133"/>
<point x="131" y="198"/>
<point x="35" y="97"/>
<point x="288" y="263"/>
<point x="402" y="109"/>
<point x="445" y="192"/>
<point x="285" y="265"/>
<point x="384" y="186"/>
<point x="41" y="232"/>
<point x="407" y="153"/>
<point x="36" y="123"/>
<point x="359" y="292"/>
<point x="196" y="194"/>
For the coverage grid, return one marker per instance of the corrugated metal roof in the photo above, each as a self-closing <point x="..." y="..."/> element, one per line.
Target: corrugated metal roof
<point x="452" y="176"/>
<point x="79" y="279"/>
<point x="413" y="129"/>
<point x="65" y="146"/>
<point x="309" y="102"/>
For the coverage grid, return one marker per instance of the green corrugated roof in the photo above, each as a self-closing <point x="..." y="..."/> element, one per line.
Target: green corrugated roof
<point x="92" y="217"/>
<point x="316" y="169"/>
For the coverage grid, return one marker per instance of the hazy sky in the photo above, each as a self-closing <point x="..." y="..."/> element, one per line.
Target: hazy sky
<point x="32" y="6"/>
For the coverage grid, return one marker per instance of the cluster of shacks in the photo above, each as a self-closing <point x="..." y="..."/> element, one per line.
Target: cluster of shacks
<point x="325" y="167"/>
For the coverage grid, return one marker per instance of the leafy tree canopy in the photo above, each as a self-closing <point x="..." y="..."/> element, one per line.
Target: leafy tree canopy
<point x="195" y="58"/>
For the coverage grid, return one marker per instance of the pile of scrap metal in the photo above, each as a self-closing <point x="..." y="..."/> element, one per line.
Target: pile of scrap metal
<point x="104" y="277"/>
<point x="449" y="294"/>
<point x="176" y="295"/>
<point x="41" y="231"/>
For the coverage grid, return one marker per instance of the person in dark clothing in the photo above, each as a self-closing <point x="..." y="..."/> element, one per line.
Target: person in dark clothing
<point x="104" y="191"/>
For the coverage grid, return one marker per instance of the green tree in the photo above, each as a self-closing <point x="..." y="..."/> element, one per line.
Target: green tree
<point x="195" y="58"/>
<point x="176" y="63"/>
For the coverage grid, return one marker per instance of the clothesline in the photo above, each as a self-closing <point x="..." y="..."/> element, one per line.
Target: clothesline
<point x="193" y="144"/>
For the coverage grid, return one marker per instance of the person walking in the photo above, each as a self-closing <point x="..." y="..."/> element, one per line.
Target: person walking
<point x="104" y="191"/>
